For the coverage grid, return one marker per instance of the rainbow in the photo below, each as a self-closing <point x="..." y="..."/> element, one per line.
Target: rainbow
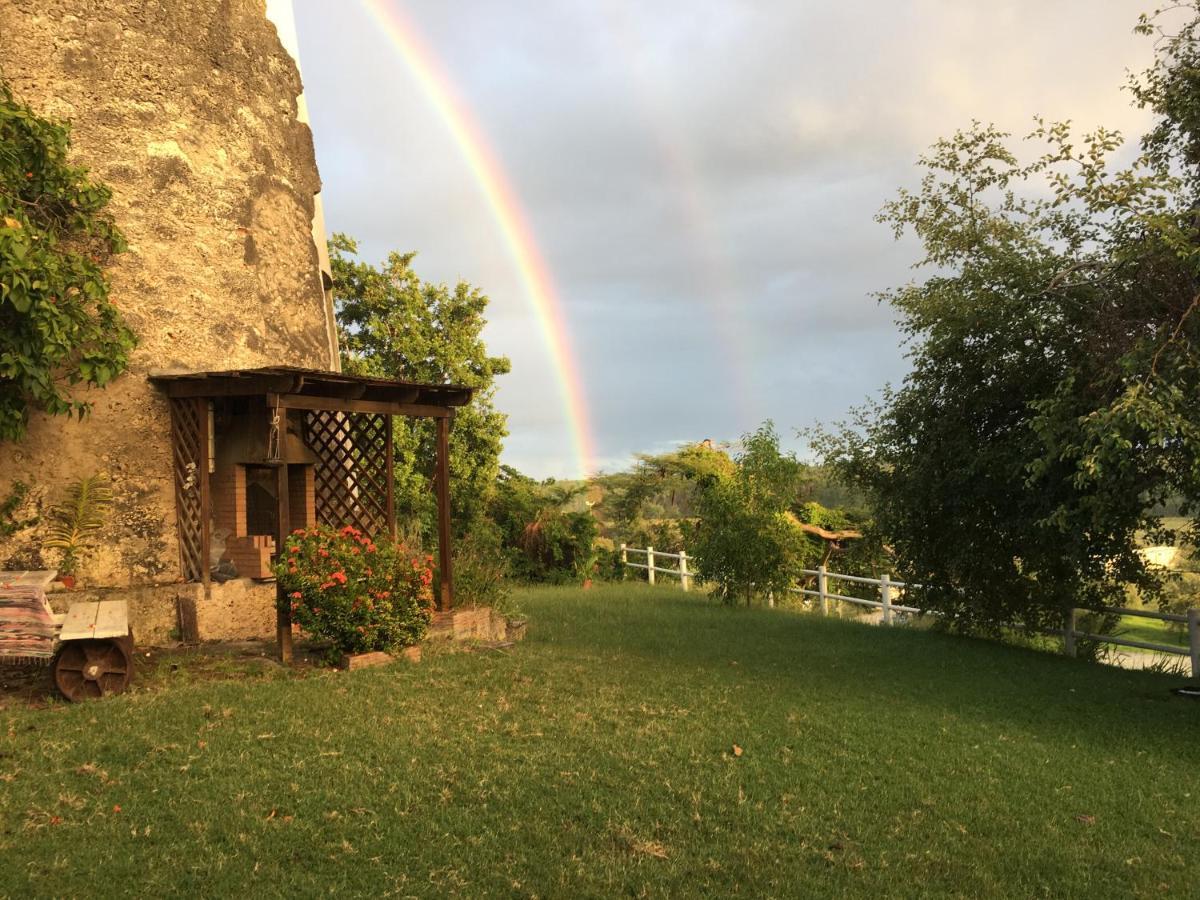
<point x="502" y="200"/>
<point x="721" y="291"/>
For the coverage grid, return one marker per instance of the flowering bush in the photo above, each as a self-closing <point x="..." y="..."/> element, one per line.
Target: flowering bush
<point x="363" y="596"/>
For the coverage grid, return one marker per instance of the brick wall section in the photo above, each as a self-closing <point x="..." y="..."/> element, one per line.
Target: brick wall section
<point x="228" y="489"/>
<point x="302" y="497"/>
<point x="251" y="555"/>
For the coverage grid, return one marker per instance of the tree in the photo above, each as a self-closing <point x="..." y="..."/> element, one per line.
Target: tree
<point x="544" y="539"/>
<point x="392" y="324"/>
<point x="1051" y="402"/>
<point x="746" y="538"/>
<point x="57" y="326"/>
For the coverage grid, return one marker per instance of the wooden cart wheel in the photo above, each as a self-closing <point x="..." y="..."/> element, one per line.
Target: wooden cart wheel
<point x="93" y="668"/>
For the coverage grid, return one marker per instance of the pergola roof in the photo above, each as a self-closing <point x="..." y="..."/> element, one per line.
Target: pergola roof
<point x="297" y="388"/>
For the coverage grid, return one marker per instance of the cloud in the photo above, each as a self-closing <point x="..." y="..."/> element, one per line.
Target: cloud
<point x="701" y="178"/>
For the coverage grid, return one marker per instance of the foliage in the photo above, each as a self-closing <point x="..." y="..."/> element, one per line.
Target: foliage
<point x="58" y="328"/>
<point x="77" y="519"/>
<point x="545" y="539"/>
<point x="10" y="523"/>
<point x="1051" y="403"/>
<point x="392" y="324"/>
<point x="746" y="539"/>
<point x="662" y="486"/>
<point x="481" y="571"/>
<point x="344" y="587"/>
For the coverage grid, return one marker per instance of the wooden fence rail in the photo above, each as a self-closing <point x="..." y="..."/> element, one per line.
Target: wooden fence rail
<point x="889" y="590"/>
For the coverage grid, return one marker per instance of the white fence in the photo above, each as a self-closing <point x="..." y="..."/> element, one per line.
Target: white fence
<point x="890" y="590"/>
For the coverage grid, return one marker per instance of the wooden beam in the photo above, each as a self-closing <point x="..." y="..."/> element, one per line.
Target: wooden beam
<point x="332" y="404"/>
<point x="231" y="387"/>
<point x="283" y="609"/>
<point x="445" y="563"/>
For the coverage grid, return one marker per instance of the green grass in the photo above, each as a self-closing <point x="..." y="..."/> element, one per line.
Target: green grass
<point x="1152" y="631"/>
<point x="596" y="760"/>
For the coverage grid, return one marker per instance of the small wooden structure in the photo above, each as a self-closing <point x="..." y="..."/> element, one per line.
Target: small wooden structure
<point x="89" y="648"/>
<point x="260" y="452"/>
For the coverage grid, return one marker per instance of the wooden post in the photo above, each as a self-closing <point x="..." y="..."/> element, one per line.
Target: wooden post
<point x="205" y="416"/>
<point x="885" y="595"/>
<point x="445" y="565"/>
<point x="1069" y="633"/>
<point x="650" y="564"/>
<point x="624" y="562"/>
<point x="685" y="577"/>
<point x="283" y="607"/>
<point x="389" y="454"/>
<point x="1194" y="640"/>
<point x="823" y="589"/>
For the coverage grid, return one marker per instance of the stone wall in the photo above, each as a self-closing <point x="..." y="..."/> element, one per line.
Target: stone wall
<point x="236" y="610"/>
<point x="187" y="110"/>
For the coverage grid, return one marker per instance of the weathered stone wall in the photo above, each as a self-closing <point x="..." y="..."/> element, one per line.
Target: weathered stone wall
<point x="236" y="610"/>
<point x="187" y="110"/>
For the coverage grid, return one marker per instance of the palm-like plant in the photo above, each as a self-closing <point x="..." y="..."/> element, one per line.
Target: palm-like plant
<point x="75" y="520"/>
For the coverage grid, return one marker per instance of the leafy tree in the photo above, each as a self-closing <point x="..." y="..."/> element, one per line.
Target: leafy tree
<point x="545" y="539"/>
<point x="57" y="326"/>
<point x="746" y="537"/>
<point x="392" y="324"/>
<point x="1052" y="399"/>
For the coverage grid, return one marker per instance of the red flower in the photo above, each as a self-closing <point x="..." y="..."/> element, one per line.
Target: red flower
<point x="293" y="549"/>
<point x="296" y="595"/>
<point x="339" y="577"/>
<point x="323" y="552"/>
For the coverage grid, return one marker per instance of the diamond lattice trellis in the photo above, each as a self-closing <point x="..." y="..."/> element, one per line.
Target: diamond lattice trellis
<point x="351" y="473"/>
<point x="189" y="433"/>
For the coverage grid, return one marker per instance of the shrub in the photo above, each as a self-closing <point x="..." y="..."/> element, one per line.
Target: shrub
<point x="480" y="570"/>
<point x="342" y="586"/>
<point x="57" y="326"/>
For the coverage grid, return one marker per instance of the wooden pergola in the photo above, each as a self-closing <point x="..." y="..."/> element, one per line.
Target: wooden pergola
<point x="333" y="430"/>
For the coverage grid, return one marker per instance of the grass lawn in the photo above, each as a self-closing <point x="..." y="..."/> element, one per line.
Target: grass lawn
<point x="1152" y="631"/>
<point x="597" y="759"/>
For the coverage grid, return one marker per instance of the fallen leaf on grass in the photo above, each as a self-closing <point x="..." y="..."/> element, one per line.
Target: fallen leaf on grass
<point x="648" y="848"/>
<point x="737" y="751"/>
<point x="1086" y="819"/>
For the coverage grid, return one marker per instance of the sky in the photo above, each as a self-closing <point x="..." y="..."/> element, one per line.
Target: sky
<point x="700" y="180"/>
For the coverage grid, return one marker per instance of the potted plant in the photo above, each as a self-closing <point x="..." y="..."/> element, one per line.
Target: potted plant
<point x="74" y="522"/>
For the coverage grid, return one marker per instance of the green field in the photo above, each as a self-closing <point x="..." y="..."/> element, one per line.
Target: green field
<point x="598" y="759"/>
<point x="1152" y="631"/>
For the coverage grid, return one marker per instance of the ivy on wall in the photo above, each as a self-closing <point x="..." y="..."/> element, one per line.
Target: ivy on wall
<point x="58" y="329"/>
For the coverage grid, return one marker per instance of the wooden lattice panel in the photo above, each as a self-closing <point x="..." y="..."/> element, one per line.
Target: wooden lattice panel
<point x="189" y="440"/>
<point x="351" y="477"/>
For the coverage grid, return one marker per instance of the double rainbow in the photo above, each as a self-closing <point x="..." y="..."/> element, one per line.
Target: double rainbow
<point x="504" y="205"/>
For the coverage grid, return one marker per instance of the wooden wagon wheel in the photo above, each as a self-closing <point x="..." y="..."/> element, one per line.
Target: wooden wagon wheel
<point x="93" y="668"/>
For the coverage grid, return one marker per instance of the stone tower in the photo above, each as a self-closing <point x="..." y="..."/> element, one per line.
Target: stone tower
<point x="188" y="110"/>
